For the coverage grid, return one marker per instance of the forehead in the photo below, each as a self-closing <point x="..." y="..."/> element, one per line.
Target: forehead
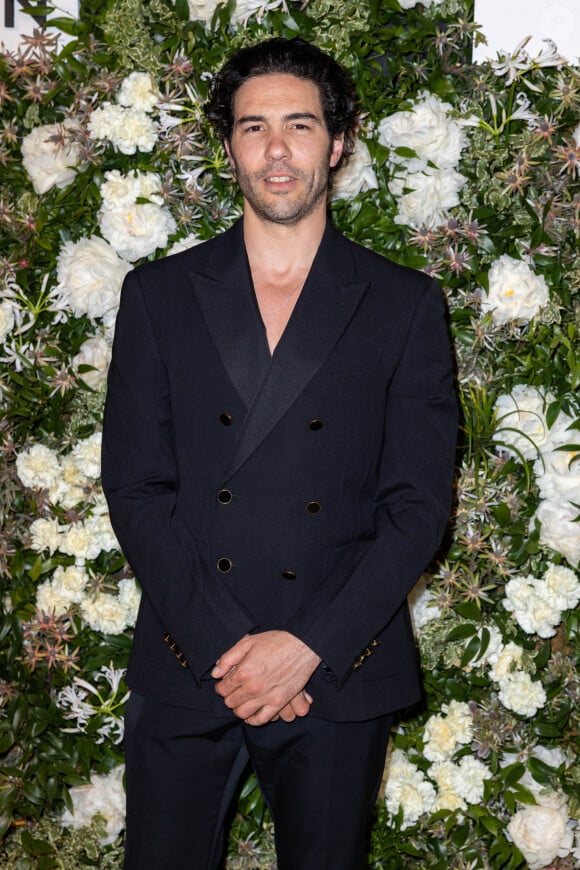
<point x="274" y="93"/>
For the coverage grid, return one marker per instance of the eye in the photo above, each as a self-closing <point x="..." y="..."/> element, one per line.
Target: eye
<point x="253" y="128"/>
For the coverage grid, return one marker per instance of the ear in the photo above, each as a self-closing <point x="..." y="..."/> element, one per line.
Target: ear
<point x="336" y="150"/>
<point x="231" y="160"/>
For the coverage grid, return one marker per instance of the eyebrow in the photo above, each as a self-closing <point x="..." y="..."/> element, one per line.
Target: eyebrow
<point x="292" y="116"/>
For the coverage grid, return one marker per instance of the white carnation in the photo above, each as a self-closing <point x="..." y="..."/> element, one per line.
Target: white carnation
<point x="408" y="4"/>
<point x="472" y="776"/>
<point x="494" y="646"/>
<point x="138" y="230"/>
<point x="139" y="91"/>
<point x="427" y="130"/>
<point x="7" y="318"/>
<point x="518" y="692"/>
<point x="119" y="191"/>
<point x="38" y="467"/>
<point x="562" y="586"/>
<point x="532" y="607"/>
<point x="129" y="599"/>
<point x="507" y="661"/>
<point x="445" y="733"/>
<point x="70" y="489"/>
<point x="559" y="528"/>
<point x="104" y="613"/>
<point x="51" y="601"/>
<point x="129" y="130"/>
<point x="190" y="241"/>
<point x="104" y="795"/>
<point x="203" y="10"/>
<point x="101" y="530"/>
<point x="94" y="352"/>
<point x="541" y="834"/>
<point x="70" y="583"/>
<point x="50" y="156"/>
<point x="86" y="454"/>
<point x="246" y="9"/>
<point x="79" y="541"/>
<point x="516" y="294"/>
<point x="522" y="429"/>
<point x="90" y="276"/>
<point x="430" y="194"/>
<point x="358" y="174"/>
<point x="407" y="789"/>
<point x="45" y="535"/>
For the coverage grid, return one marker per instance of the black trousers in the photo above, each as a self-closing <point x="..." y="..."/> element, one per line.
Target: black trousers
<point x="320" y="780"/>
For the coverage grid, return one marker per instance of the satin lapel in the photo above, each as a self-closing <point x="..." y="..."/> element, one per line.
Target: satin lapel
<point x="326" y="305"/>
<point x="224" y="295"/>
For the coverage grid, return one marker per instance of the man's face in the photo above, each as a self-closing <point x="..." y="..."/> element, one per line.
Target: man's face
<point x="280" y="149"/>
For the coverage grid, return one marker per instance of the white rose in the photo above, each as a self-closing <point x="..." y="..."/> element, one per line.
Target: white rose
<point x="559" y="529"/>
<point x="432" y="193"/>
<point x="95" y="352"/>
<point x="558" y="473"/>
<point x="38" y="467"/>
<point x="104" y="795"/>
<point x="104" y="613"/>
<point x="139" y="91"/>
<point x="554" y="757"/>
<point x="79" y="541"/>
<point x="507" y="661"/>
<point x="521" y="428"/>
<point x="190" y="241"/>
<point x="422" y="604"/>
<point x="50" y="156"/>
<point x="138" y="230"/>
<point x="428" y="131"/>
<point x="519" y="693"/>
<point x="407" y="789"/>
<point x="516" y="294"/>
<point x="541" y="834"/>
<point x="562" y="586"/>
<point x="45" y="535"/>
<point x="90" y="276"/>
<point x="358" y="174"/>
<point x="7" y="318"/>
<point x="86" y="454"/>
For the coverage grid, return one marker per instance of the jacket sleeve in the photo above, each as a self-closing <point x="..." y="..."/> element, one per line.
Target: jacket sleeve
<point x="363" y="592"/>
<point x="140" y="480"/>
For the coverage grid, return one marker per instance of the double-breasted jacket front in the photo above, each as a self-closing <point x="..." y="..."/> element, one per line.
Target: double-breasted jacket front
<point x="304" y="490"/>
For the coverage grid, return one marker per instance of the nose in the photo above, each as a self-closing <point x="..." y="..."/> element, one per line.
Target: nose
<point x="277" y="146"/>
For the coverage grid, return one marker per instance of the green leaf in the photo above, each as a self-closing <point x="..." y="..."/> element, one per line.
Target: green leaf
<point x="34" y="846"/>
<point x="460" y="632"/>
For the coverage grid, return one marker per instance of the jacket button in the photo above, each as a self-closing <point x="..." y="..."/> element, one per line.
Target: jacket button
<point x="313" y="507"/>
<point x="289" y="575"/>
<point x="224" y="565"/>
<point x="224" y="496"/>
<point x="315" y="424"/>
<point x="226" y="419"/>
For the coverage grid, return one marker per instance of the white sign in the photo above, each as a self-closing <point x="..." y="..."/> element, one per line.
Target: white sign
<point x="15" y="23"/>
<point x="506" y="22"/>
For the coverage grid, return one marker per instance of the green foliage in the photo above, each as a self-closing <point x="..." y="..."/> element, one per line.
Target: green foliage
<point x="520" y="198"/>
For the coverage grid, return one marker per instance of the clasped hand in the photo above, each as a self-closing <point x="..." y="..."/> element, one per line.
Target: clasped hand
<point x="262" y="677"/>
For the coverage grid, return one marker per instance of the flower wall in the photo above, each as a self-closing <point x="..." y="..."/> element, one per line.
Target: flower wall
<point x="470" y="173"/>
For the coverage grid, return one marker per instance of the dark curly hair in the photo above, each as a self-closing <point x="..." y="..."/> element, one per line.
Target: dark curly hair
<point x="294" y="57"/>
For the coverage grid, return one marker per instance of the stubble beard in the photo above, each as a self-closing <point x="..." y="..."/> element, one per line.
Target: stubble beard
<point x="282" y="208"/>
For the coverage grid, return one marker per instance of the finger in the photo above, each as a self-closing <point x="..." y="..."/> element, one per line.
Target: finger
<point x="287" y="713"/>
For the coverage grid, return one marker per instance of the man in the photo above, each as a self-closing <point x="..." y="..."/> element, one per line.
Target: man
<point x="278" y="452"/>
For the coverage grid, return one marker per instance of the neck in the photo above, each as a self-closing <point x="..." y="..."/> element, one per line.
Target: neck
<point x="279" y="249"/>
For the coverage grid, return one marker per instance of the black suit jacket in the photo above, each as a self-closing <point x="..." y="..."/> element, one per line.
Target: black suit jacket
<point x="304" y="491"/>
